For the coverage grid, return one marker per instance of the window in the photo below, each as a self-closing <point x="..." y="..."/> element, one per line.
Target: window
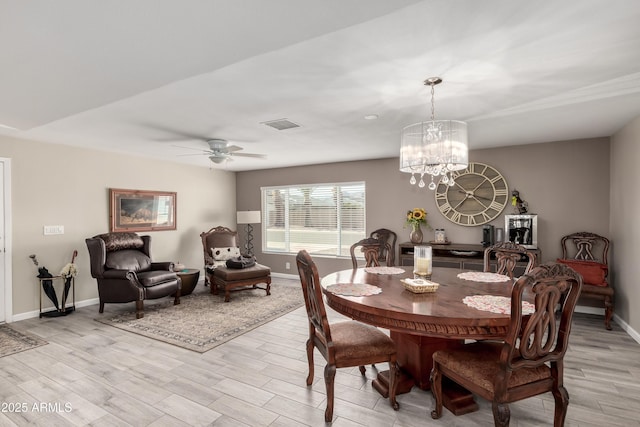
<point x="323" y="219"/>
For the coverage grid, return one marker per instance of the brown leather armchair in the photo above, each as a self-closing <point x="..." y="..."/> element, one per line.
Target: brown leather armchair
<point x="121" y="264"/>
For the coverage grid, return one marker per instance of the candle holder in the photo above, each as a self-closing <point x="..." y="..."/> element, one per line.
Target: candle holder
<point x="422" y="262"/>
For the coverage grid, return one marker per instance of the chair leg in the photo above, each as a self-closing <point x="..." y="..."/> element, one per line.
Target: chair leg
<point x="608" y="312"/>
<point x="501" y="414"/>
<point x="394" y="377"/>
<point x="363" y="370"/>
<point x="310" y="360"/>
<point x="139" y="309"/>
<point x="436" y="390"/>
<point x="561" y="397"/>
<point x="101" y="309"/>
<point x="329" y="377"/>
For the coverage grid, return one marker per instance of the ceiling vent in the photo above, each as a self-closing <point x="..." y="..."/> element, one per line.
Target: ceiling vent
<point x="281" y="124"/>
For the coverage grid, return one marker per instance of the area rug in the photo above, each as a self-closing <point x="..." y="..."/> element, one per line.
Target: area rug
<point x="12" y="341"/>
<point x="203" y="321"/>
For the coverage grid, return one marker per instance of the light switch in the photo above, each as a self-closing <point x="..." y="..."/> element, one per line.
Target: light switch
<point x="53" y="229"/>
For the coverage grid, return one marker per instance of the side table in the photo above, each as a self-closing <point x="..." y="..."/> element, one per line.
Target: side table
<point x="189" y="277"/>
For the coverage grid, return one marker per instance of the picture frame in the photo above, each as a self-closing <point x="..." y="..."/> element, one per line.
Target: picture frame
<point x="141" y="210"/>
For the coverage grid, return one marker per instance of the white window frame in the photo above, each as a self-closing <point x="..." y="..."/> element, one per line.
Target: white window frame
<point x="344" y="237"/>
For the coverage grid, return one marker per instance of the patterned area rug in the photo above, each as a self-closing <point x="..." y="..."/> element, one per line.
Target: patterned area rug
<point x="12" y="341"/>
<point x="203" y="321"/>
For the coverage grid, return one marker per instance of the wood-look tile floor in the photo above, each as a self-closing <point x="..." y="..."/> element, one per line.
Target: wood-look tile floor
<point x="92" y="374"/>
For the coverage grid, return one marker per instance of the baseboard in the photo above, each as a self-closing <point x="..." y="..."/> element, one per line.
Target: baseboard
<point x="285" y="276"/>
<point x="36" y="313"/>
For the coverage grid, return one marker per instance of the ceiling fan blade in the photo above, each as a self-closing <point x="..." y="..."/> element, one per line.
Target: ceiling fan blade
<point x="257" y="156"/>
<point x="233" y="148"/>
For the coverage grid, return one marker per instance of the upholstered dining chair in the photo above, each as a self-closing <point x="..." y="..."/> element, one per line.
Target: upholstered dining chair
<point x="587" y="253"/>
<point x="507" y="254"/>
<point x="121" y="264"/>
<point x="530" y="360"/>
<point x="342" y="344"/>
<point x="386" y="236"/>
<point x="372" y="248"/>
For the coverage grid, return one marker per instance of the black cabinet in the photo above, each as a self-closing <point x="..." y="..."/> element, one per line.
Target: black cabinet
<point x="462" y="256"/>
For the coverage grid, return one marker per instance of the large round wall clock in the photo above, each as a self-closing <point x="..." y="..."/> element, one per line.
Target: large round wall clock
<point x="479" y="194"/>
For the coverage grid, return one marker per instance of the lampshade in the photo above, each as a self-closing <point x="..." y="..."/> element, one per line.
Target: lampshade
<point x="435" y="147"/>
<point x="248" y="217"/>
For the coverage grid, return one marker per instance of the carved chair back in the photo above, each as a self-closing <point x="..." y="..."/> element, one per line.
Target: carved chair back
<point x="507" y="255"/>
<point x="386" y="236"/>
<point x="371" y="248"/>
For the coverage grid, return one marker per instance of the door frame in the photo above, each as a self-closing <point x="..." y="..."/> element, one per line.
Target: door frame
<point x="6" y="205"/>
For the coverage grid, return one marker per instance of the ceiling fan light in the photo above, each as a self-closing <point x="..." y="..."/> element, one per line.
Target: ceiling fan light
<point x="218" y="159"/>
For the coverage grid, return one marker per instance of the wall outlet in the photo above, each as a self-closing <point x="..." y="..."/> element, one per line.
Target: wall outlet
<point x="287" y="265"/>
<point x="53" y="229"/>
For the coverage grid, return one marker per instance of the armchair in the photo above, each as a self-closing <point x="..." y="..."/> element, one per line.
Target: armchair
<point x="121" y="264"/>
<point x="587" y="253"/>
<point x="220" y="244"/>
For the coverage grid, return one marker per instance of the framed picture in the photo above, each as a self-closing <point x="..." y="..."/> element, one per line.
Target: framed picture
<point x="140" y="210"/>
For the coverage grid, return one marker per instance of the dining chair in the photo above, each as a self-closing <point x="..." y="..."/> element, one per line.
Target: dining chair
<point x="342" y="344"/>
<point x="587" y="253"/>
<point x="372" y="249"/>
<point x="386" y="236"/>
<point x="530" y="359"/>
<point x="507" y="254"/>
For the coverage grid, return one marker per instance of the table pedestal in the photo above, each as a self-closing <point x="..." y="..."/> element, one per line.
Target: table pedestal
<point x="415" y="361"/>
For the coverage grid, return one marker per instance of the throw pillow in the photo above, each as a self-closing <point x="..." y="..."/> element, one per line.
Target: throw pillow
<point x="225" y="253"/>
<point x="592" y="272"/>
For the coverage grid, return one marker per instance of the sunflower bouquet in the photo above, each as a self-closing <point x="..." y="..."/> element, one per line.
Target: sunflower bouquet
<point x="416" y="217"/>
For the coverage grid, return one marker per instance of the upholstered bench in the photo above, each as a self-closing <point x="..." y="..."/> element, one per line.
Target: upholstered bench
<point x="233" y="279"/>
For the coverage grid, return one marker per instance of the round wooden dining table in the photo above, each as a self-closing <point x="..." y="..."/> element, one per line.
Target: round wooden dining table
<point x="421" y="323"/>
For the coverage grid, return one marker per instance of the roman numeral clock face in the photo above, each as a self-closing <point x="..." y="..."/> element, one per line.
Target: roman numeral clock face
<point x="479" y="195"/>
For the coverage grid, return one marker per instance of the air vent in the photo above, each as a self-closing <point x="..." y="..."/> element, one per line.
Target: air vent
<point x="281" y="124"/>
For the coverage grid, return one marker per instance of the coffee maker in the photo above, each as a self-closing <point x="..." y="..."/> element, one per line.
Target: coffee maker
<point x="487" y="235"/>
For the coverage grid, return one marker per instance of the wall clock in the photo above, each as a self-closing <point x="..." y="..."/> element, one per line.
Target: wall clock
<point x="479" y="195"/>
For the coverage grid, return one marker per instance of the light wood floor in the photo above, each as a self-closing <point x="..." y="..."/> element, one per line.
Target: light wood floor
<point x="92" y="374"/>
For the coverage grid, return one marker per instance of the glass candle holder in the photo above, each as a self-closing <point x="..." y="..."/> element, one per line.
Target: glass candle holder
<point x="422" y="262"/>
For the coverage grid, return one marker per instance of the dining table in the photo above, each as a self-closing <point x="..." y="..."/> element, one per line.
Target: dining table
<point x="467" y="305"/>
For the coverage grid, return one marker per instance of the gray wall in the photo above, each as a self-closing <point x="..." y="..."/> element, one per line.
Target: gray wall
<point x="557" y="180"/>
<point x="624" y="224"/>
<point x="60" y="185"/>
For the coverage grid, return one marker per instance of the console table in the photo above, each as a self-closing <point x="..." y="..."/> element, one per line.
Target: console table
<point x="463" y="256"/>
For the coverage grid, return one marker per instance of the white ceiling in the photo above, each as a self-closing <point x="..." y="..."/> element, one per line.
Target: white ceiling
<point x="158" y="78"/>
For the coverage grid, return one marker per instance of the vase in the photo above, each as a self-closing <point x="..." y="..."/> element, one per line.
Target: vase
<point x="416" y="234"/>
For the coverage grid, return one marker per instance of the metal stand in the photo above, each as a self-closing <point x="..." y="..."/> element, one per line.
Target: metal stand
<point x="63" y="310"/>
<point x="249" y="244"/>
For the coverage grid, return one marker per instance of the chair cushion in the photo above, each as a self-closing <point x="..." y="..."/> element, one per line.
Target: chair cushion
<point x="356" y="340"/>
<point x="479" y="362"/>
<point x="120" y="241"/>
<point x="225" y="253"/>
<point x="155" y="277"/>
<point x="128" y="259"/>
<point x="592" y="272"/>
<point x="232" y="274"/>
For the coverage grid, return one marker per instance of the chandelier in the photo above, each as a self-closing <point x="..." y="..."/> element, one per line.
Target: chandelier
<point x="435" y="147"/>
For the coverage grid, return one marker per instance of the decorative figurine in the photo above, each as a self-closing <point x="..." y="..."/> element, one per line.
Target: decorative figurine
<point x="520" y="206"/>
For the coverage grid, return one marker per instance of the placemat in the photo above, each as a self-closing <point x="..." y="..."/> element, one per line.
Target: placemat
<point x="354" y="289"/>
<point x="480" y="276"/>
<point x="384" y="270"/>
<point x="496" y="304"/>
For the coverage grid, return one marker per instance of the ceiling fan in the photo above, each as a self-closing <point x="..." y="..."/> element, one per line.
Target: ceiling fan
<point x="221" y="151"/>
